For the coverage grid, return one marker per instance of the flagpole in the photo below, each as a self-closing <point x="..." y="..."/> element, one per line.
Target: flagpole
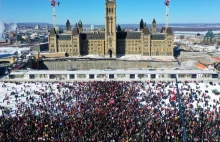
<point x="181" y="113"/>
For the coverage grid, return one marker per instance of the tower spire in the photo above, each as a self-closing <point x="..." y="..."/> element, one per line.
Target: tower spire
<point x="154" y="26"/>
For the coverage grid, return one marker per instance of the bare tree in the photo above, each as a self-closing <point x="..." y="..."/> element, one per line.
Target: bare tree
<point x="182" y="37"/>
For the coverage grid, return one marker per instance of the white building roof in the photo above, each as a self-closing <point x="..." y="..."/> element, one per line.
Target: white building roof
<point x="121" y="72"/>
<point x="18" y="72"/>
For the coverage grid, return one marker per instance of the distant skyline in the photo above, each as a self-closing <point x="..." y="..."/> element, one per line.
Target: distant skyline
<point x="93" y="12"/>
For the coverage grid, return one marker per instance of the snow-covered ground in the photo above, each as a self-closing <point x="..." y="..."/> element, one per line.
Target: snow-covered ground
<point x="189" y="64"/>
<point x="12" y="50"/>
<point x="185" y="90"/>
<point x="193" y="32"/>
<point x="206" y="48"/>
<point x="21" y="90"/>
<point x="189" y="41"/>
<point x="133" y="57"/>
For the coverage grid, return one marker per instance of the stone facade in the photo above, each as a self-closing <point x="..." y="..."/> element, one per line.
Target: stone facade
<point x="112" y="41"/>
<point x="104" y="64"/>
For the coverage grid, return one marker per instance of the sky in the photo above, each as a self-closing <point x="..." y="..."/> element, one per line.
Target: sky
<point x="128" y="11"/>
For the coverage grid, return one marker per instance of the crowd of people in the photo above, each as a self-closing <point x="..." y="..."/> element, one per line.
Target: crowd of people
<point x="108" y="112"/>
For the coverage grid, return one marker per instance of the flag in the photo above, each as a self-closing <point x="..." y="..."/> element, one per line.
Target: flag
<point x="111" y="101"/>
<point x="173" y="98"/>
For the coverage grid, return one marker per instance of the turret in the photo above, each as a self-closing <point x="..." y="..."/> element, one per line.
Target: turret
<point x="141" y="25"/>
<point x="68" y="26"/>
<point x="80" y="25"/>
<point x="154" y="27"/>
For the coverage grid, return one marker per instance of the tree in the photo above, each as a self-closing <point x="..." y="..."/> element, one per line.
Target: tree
<point x="182" y="37"/>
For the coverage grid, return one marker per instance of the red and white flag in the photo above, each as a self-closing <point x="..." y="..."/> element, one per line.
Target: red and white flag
<point x="173" y="98"/>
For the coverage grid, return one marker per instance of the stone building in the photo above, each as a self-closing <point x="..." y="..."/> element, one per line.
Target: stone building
<point x="112" y="41"/>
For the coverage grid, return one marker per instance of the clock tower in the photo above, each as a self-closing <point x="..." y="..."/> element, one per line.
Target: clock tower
<point x="110" y="28"/>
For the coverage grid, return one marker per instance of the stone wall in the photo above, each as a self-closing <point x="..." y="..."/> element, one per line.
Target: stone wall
<point x="103" y="64"/>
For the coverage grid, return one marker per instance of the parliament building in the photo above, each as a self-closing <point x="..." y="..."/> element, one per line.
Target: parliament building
<point x="112" y="41"/>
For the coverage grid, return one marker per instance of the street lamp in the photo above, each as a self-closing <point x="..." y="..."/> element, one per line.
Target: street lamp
<point x="181" y="113"/>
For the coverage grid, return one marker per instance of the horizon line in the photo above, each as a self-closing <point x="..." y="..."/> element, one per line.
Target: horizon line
<point x="117" y="23"/>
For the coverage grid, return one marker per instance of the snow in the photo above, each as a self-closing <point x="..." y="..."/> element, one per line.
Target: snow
<point x="185" y="89"/>
<point x="22" y="88"/>
<point x="12" y="50"/>
<point x="189" y="64"/>
<point x="193" y="32"/>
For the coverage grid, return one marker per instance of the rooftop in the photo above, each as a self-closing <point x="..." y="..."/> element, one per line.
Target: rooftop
<point x="64" y="37"/>
<point x="158" y="36"/>
<point x="128" y="35"/>
<point x="87" y="36"/>
<point x="137" y="71"/>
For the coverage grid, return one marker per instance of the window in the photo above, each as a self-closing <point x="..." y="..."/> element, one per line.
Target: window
<point x="31" y="76"/>
<point x="132" y="76"/>
<point x="75" y="45"/>
<point x="81" y="76"/>
<point x="181" y="75"/>
<point x="111" y="76"/>
<point x="140" y="76"/>
<point x="91" y="76"/>
<point x="100" y="76"/>
<point x="72" y="76"/>
<point x="120" y="75"/>
<point x="11" y="76"/>
<point x="172" y="76"/>
<point x="214" y="75"/>
<point x="52" y="76"/>
<point x="194" y="75"/>
<point x="188" y="75"/>
<point x="153" y="75"/>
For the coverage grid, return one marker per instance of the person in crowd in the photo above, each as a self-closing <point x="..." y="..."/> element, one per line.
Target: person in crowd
<point x="109" y="112"/>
